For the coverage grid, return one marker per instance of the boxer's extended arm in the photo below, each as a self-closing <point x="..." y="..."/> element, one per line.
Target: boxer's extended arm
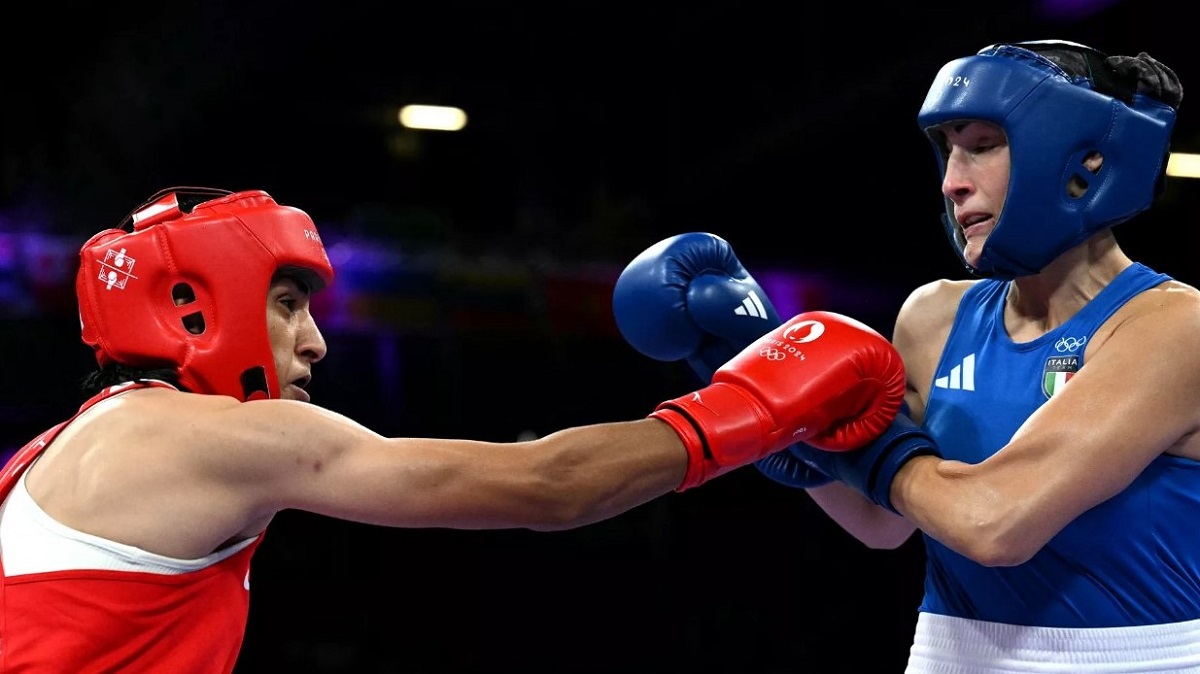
<point x="809" y="378"/>
<point x="186" y="473"/>
<point x="232" y="465"/>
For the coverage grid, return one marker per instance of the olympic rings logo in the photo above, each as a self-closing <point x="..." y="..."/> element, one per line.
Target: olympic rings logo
<point x="1069" y="344"/>
<point x="771" y="353"/>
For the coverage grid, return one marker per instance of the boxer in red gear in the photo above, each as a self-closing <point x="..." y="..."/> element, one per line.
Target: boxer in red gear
<point x="127" y="531"/>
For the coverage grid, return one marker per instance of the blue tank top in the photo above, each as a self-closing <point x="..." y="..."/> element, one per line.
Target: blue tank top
<point x="1131" y="560"/>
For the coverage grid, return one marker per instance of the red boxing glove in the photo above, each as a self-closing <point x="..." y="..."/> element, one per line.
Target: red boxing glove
<point x="820" y="378"/>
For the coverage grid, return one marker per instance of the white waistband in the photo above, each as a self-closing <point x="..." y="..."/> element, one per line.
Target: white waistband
<point x="948" y="645"/>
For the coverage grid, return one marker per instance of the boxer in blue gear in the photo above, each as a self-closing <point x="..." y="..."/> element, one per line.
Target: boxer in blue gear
<point x="1056" y="384"/>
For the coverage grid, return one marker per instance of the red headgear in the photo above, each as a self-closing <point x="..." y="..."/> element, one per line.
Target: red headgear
<point x="187" y="290"/>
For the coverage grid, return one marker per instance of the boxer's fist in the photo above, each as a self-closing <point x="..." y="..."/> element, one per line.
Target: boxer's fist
<point x="821" y="378"/>
<point x="689" y="298"/>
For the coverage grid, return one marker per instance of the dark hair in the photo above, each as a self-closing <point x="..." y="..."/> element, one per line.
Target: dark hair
<point x="115" y="373"/>
<point x="1117" y="76"/>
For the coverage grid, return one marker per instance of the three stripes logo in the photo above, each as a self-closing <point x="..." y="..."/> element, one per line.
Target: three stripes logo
<point x="961" y="377"/>
<point x="752" y="306"/>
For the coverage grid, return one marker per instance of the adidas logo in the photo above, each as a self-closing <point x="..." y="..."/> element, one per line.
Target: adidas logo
<point x="751" y="306"/>
<point x="961" y="377"/>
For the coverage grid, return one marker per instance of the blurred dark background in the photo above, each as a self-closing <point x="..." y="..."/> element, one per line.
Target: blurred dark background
<point x="476" y="268"/>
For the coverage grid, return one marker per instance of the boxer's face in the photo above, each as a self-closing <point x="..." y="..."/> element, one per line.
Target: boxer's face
<point x="295" y="340"/>
<point x="976" y="181"/>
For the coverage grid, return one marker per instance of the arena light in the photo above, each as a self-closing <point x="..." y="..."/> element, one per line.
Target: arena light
<point x="433" y="117"/>
<point x="1183" y="165"/>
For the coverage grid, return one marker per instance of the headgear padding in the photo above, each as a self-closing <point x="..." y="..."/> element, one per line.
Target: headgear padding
<point x="188" y="290"/>
<point x="1053" y="119"/>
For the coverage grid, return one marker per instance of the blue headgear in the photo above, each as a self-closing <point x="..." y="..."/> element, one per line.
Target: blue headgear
<point x="1053" y="120"/>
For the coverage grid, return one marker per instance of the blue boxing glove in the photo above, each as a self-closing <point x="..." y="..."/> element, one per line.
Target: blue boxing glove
<point x="790" y="468"/>
<point x="870" y="469"/>
<point x="688" y="297"/>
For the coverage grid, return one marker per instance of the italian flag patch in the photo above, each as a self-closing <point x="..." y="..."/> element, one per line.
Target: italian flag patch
<point x="1057" y="373"/>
